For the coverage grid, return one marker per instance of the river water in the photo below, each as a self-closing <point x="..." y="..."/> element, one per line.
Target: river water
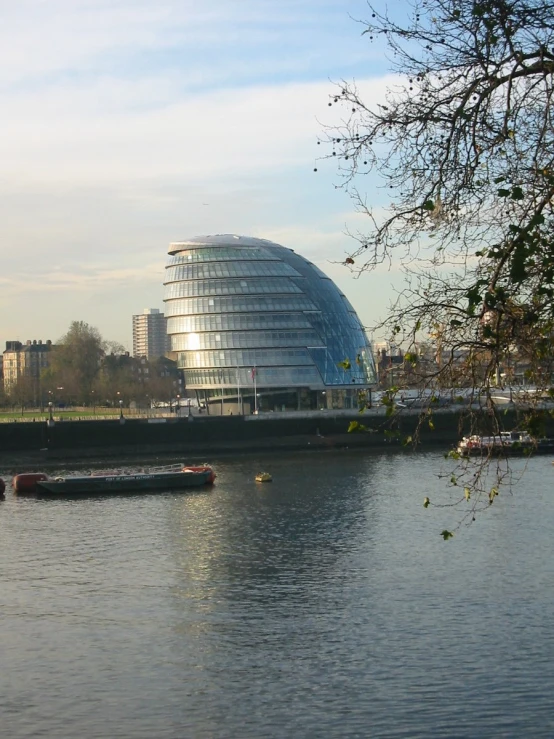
<point x="323" y="604"/>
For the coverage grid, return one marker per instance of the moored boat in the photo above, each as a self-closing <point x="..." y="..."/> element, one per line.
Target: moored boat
<point x="506" y="442"/>
<point x="154" y="480"/>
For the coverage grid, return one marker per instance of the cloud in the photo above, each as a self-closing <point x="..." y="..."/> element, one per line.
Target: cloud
<point x="227" y="132"/>
<point x="93" y="278"/>
<point x="124" y="37"/>
<point x="133" y="89"/>
<point x="121" y="118"/>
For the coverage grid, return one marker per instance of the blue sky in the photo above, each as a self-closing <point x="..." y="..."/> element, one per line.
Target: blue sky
<point x="129" y="124"/>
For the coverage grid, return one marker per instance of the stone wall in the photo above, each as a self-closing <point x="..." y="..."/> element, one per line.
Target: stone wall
<point x="205" y="435"/>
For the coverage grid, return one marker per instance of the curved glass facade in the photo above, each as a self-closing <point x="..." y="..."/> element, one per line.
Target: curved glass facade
<point x="252" y="321"/>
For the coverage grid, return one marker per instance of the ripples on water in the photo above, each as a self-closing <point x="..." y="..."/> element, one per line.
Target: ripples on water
<point x="323" y="604"/>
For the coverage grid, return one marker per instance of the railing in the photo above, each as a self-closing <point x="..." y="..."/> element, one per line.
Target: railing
<point x="29" y="415"/>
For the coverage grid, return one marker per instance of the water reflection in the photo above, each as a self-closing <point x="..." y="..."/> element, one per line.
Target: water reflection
<point x="274" y="540"/>
<point x="322" y="604"/>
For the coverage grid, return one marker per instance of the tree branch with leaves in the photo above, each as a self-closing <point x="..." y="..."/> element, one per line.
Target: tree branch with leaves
<point x="463" y="145"/>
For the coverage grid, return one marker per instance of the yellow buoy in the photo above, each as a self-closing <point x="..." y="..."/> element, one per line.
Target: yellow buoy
<point x="263" y="477"/>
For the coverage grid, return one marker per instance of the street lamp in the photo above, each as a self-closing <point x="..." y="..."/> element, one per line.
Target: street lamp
<point x="121" y="410"/>
<point x="50" y="416"/>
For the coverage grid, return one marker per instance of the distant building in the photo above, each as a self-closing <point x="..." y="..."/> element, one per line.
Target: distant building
<point x="150" y="338"/>
<point x="256" y="327"/>
<point x="391" y="369"/>
<point x="25" y="361"/>
<point x="157" y="380"/>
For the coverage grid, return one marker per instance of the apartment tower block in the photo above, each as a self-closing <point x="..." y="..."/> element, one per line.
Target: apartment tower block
<point x="150" y="337"/>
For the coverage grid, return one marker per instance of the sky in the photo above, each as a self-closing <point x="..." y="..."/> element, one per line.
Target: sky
<point x="128" y="124"/>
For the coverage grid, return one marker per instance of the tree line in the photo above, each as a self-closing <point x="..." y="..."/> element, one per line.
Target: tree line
<point x="83" y="369"/>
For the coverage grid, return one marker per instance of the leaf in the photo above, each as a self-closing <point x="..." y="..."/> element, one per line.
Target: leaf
<point x="345" y="364"/>
<point x="493" y="493"/>
<point x="446" y="535"/>
<point x="349" y="260"/>
<point x="517" y="193"/>
<point x="356" y="428"/>
<point x="426" y="502"/>
<point x="536" y="220"/>
<point x="429" y="205"/>
<point x="467" y="493"/>
<point x="503" y="193"/>
<point x="498" y="180"/>
<point x="474" y="296"/>
<point x="517" y="268"/>
<point x="431" y="425"/>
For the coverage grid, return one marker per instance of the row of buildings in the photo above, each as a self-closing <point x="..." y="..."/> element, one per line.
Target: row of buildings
<point x="251" y="325"/>
<point x="27" y="360"/>
<point x="24" y="360"/>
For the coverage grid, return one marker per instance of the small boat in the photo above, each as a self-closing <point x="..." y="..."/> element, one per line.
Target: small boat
<point x="506" y="442"/>
<point x="263" y="477"/>
<point x="153" y="480"/>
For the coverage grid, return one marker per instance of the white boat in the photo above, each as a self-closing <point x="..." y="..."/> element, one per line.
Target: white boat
<point x="505" y="442"/>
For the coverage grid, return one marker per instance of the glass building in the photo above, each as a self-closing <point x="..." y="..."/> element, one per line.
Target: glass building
<point x="256" y="327"/>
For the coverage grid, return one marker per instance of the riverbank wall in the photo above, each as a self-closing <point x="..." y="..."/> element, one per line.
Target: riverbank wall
<point x="202" y="437"/>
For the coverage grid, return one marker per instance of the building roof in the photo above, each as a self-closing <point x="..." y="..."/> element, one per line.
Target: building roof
<point x="222" y="240"/>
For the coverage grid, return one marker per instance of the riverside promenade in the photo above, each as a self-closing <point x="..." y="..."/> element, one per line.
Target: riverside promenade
<point x="203" y="436"/>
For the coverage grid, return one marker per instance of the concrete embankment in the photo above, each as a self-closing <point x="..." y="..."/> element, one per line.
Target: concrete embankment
<point x="205" y="436"/>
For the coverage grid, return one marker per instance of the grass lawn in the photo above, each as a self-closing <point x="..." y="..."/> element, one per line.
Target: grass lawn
<point x="35" y="414"/>
<point x="29" y="414"/>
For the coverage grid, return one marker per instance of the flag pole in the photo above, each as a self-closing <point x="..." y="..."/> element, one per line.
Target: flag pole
<point x="238" y="390"/>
